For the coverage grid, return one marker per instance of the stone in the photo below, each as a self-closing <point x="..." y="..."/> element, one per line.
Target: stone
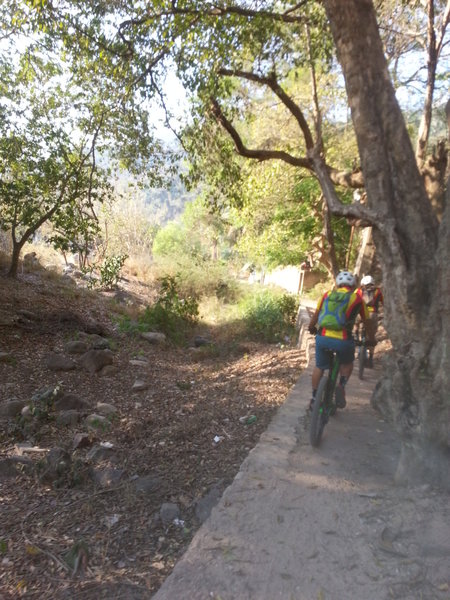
<point x="107" y="477"/>
<point x="108" y="410"/>
<point x="97" y="422"/>
<point x="70" y="402"/>
<point x="95" y="360"/>
<point x="81" y="440"/>
<point x="68" y="418"/>
<point x="99" y="453"/>
<point x="201" y="340"/>
<point x="154" y="337"/>
<point x="148" y="484"/>
<point x="76" y="347"/>
<point x="58" y="463"/>
<point x="137" y="362"/>
<point x="168" y="513"/>
<point x="11" y="466"/>
<point x="12" y="408"/>
<point x="140" y="385"/>
<point x="58" y="362"/>
<point x="109" y="371"/>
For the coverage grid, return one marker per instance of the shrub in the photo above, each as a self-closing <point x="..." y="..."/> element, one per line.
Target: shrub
<point x="270" y="316"/>
<point x="172" y="313"/>
<point x="110" y="270"/>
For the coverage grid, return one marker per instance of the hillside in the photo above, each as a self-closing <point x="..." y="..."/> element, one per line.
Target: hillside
<point x="112" y="448"/>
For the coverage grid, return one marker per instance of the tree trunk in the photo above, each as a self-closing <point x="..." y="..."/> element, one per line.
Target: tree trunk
<point x="15" y="255"/>
<point x="414" y="250"/>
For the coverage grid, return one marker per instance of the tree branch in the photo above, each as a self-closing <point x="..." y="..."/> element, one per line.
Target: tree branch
<point x="273" y="84"/>
<point x="345" y="179"/>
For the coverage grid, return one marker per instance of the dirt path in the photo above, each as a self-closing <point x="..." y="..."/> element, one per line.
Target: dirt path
<point x="329" y="523"/>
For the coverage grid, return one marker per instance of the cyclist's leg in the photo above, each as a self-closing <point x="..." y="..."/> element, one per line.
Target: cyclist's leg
<point x="371" y="330"/>
<point x="346" y="354"/>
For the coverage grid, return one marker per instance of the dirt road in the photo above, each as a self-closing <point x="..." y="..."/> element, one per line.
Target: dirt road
<point x="300" y="523"/>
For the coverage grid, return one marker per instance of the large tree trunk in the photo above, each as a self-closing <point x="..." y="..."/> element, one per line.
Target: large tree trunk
<point x="15" y="255"/>
<point x="413" y="249"/>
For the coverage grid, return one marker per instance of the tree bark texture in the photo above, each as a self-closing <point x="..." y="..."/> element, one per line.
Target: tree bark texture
<point x="414" y="248"/>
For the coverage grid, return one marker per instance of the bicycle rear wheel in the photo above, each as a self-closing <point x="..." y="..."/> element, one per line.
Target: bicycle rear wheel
<point x="362" y="359"/>
<point x="318" y="416"/>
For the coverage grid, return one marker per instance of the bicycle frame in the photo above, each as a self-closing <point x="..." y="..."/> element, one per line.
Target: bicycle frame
<point x="331" y="380"/>
<point x="324" y="404"/>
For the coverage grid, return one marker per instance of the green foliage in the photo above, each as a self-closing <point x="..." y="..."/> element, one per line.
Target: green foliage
<point x="110" y="270"/>
<point x="173" y="313"/>
<point x="199" y="234"/>
<point x="270" y="316"/>
<point x="201" y="278"/>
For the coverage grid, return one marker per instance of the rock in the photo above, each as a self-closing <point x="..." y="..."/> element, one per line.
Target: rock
<point x="147" y="484"/>
<point x="99" y="453"/>
<point x="97" y="422"/>
<point x="137" y="362"/>
<point x="68" y="418"/>
<point x="154" y="337"/>
<point x="76" y="347"/>
<point x="201" y="340"/>
<point x="93" y="327"/>
<point x="140" y="385"/>
<point x="99" y="343"/>
<point x="108" y="410"/>
<point x="11" y="466"/>
<point x="58" y="362"/>
<point x="109" y="371"/>
<point x="27" y="412"/>
<point x="81" y="440"/>
<point x="168" y="513"/>
<point x="58" y="463"/>
<point x="107" y="477"/>
<point x="11" y="408"/>
<point x="94" y="360"/>
<point x="70" y="402"/>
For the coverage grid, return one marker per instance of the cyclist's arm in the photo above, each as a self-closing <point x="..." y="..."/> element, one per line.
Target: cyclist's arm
<point x="312" y="327"/>
<point x="313" y="322"/>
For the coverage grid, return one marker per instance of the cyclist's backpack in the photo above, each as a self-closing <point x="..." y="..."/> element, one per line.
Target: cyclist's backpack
<point x="368" y="297"/>
<point x="332" y="313"/>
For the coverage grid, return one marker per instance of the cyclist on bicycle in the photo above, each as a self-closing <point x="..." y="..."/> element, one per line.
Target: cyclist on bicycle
<point x="333" y="322"/>
<point x="373" y="297"/>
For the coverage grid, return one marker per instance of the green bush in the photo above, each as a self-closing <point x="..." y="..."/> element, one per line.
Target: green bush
<point x="270" y="316"/>
<point x="173" y="313"/>
<point x="110" y="270"/>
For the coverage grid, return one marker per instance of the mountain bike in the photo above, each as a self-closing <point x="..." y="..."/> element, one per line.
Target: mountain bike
<point x="324" y="405"/>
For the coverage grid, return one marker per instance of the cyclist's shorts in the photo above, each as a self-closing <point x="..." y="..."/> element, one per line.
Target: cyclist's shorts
<point x="345" y="350"/>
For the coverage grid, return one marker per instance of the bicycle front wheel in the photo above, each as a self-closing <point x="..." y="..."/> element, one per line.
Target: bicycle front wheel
<point x="318" y="416"/>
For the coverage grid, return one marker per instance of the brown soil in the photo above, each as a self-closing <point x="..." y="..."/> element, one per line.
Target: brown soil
<point x="166" y="431"/>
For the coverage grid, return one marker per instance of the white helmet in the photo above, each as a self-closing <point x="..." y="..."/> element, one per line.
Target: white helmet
<point x="367" y="280"/>
<point x="345" y="278"/>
